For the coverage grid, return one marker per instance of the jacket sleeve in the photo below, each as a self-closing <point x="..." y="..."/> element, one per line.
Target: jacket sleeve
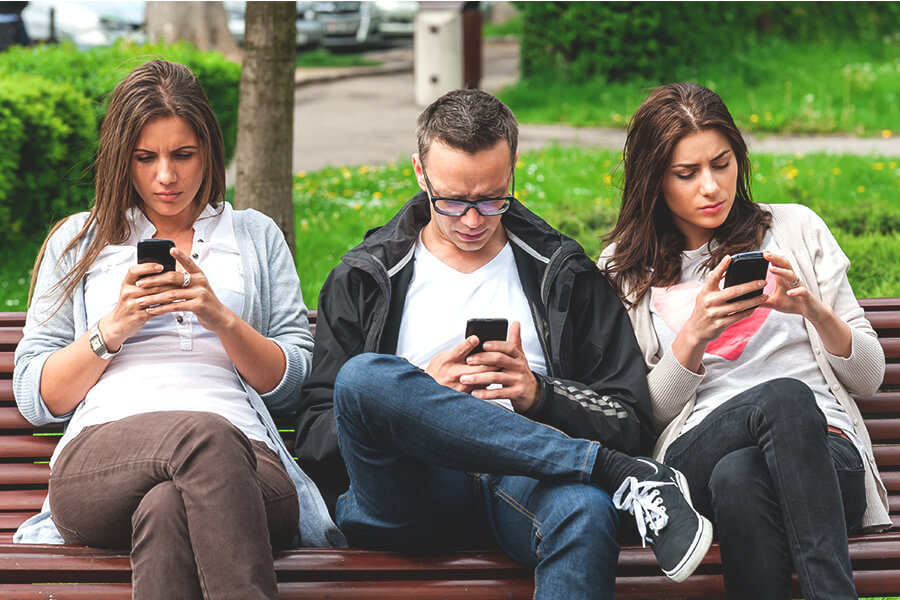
<point x="287" y="321"/>
<point x="340" y="335"/>
<point x="603" y="394"/>
<point x="49" y="326"/>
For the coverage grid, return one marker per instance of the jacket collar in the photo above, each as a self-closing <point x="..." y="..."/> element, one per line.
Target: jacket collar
<point x="391" y="246"/>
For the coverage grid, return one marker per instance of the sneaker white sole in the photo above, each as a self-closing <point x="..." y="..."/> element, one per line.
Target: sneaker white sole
<point x="699" y="546"/>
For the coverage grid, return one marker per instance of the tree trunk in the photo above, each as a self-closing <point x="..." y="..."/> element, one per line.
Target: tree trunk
<point x="203" y="24"/>
<point x="265" y="143"/>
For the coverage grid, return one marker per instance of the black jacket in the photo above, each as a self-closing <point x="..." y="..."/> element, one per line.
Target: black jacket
<point x="596" y="384"/>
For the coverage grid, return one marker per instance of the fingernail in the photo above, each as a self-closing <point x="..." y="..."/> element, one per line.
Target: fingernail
<point x="465" y="379"/>
<point x="157" y="267"/>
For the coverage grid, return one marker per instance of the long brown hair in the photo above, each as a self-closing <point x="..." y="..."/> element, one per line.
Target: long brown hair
<point x="648" y="244"/>
<point x="157" y="89"/>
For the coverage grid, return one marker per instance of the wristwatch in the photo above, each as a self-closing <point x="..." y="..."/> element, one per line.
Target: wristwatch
<point x="98" y="345"/>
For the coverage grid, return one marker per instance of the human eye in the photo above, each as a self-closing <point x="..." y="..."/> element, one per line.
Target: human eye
<point x="184" y="155"/>
<point x="143" y="158"/>
<point x="721" y="166"/>
<point x="685" y="175"/>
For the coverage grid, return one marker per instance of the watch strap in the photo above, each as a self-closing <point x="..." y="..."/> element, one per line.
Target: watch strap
<point x="98" y="345"/>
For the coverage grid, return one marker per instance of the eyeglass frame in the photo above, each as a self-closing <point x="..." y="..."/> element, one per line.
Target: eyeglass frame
<point x="469" y="204"/>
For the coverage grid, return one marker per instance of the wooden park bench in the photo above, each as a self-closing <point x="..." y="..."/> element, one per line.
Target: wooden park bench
<point x="76" y="572"/>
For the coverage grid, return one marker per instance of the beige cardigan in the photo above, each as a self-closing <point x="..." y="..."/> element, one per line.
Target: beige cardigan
<point x="806" y="242"/>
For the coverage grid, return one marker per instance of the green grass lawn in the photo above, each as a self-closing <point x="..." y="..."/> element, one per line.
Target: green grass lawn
<point x="576" y="191"/>
<point x="323" y="58"/>
<point x="771" y="87"/>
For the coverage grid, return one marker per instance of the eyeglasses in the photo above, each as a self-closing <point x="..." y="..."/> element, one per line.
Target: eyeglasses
<point x="487" y="207"/>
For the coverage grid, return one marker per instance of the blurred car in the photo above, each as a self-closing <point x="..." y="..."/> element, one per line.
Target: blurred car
<point x="309" y="33"/>
<point x="396" y="17"/>
<point x="346" y="23"/>
<point x="86" y="24"/>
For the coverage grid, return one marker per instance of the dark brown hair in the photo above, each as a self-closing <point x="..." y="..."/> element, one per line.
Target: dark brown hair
<point x="648" y="244"/>
<point x="157" y="89"/>
<point x="467" y="120"/>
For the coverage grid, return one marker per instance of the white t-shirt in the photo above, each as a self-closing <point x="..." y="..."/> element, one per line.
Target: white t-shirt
<point x="765" y="345"/>
<point x="441" y="299"/>
<point x="173" y="362"/>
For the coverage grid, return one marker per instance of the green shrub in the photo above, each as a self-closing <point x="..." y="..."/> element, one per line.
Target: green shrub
<point x="626" y="40"/>
<point x="97" y="71"/>
<point x="49" y="138"/>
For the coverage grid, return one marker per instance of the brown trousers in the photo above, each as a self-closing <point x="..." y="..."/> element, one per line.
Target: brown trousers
<point x="199" y="505"/>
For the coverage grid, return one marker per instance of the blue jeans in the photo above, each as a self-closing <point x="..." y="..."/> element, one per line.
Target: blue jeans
<point x="780" y="491"/>
<point x="419" y="453"/>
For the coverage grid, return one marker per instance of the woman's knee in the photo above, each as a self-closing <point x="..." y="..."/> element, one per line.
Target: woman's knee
<point x="160" y="514"/>
<point x="791" y="400"/>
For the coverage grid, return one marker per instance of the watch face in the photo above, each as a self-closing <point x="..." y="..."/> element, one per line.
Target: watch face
<point x="97" y="344"/>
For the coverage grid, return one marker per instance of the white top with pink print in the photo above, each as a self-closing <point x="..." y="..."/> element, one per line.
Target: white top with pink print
<point x="765" y="345"/>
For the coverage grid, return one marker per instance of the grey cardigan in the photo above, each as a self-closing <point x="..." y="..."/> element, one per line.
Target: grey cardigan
<point x="806" y="242"/>
<point x="273" y="306"/>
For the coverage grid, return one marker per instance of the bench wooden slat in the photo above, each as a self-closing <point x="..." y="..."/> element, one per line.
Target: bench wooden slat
<point x="24" y="500"/>
<point x="6" y="391"/>
<point x="29" y="446"/>
<point x="887" y="456"/>
<point x="10" y="336"/>
<point x="24" y="591"/>
<point x="892" y="374"/>
<point x="24" y="474"/>
<point x="882" y="403"/>
<point x="884" y="429"/>
<point x="6" y="361"/>
<point x="11" y="418"/>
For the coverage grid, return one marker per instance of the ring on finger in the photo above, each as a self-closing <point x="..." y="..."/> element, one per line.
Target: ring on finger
<point x="795" y="283"/>
<point x="187" y="279"/>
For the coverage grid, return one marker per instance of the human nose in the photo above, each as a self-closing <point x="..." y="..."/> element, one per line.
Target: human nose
<point x="166" y="174"/>
<point x="471" y="218"/>
<point x="708" y="183"/>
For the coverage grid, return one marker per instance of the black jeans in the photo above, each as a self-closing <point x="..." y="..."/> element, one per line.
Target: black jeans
<point x="780" y="490"/>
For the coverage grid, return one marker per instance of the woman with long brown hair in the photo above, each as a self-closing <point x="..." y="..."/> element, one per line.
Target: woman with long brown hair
<point x="166" y="379"/>
<point x="750" y="394"/>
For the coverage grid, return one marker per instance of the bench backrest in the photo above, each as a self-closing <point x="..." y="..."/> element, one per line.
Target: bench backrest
<point x="25" y="449"/>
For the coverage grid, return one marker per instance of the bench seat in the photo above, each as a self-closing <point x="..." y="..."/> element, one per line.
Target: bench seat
<point x="75" y="572"/>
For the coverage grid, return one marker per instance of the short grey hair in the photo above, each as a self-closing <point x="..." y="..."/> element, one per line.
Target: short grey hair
<point x="469" y="120"/>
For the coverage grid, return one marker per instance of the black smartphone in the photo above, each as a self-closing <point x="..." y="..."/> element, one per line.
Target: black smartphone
<point x="744" y="267"/>
<point x="487" y="330"/>
<point x="156" y="251"/>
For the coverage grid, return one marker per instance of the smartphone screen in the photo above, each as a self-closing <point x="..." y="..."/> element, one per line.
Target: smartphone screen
<point x="486" y="330"/>
<point x="156" y="251"/>
<point x="744" y="267"/>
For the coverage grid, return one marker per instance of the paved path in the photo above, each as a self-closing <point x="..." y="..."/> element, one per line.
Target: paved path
<point x="367" y="115"/>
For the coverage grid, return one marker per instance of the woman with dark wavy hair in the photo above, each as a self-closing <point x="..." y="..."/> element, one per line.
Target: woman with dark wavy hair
<point x="166" y="379"/>
<point x="751" y="394"/>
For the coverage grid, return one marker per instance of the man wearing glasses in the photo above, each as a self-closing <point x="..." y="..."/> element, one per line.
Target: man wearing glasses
<point x="397" y="400"/>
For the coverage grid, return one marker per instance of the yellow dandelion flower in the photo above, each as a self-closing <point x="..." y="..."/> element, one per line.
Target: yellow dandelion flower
<point x="357" y="206"/>
<point x="607" y="179"/>
<point x="390" y="190"/>
<point x="886" y="133"/>
<point x="792" y="172"/>
<point x="879" y="166"/>
<point x="304" y="226"/>
<point x="377" y="195"/>
<point x="892" y="165"/>
<point x="407" y="172"/>
<point x="617" y="117"/>
<point x="836" y="171"/>
<point x="754" y="118"/>
<point x="860" y="189"/>
<point x="363" y="170"/>
<point x="301" y="174"/>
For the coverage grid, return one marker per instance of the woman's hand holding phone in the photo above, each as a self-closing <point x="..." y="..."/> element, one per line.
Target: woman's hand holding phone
<point x="714" y="311"/>
<point x="188" y="291"/>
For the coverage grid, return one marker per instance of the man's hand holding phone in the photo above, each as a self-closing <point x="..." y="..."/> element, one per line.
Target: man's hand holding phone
<point x="504" y="363"/>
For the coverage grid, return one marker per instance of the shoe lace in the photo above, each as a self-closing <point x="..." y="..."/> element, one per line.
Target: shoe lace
<point x="642" y="499"/>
